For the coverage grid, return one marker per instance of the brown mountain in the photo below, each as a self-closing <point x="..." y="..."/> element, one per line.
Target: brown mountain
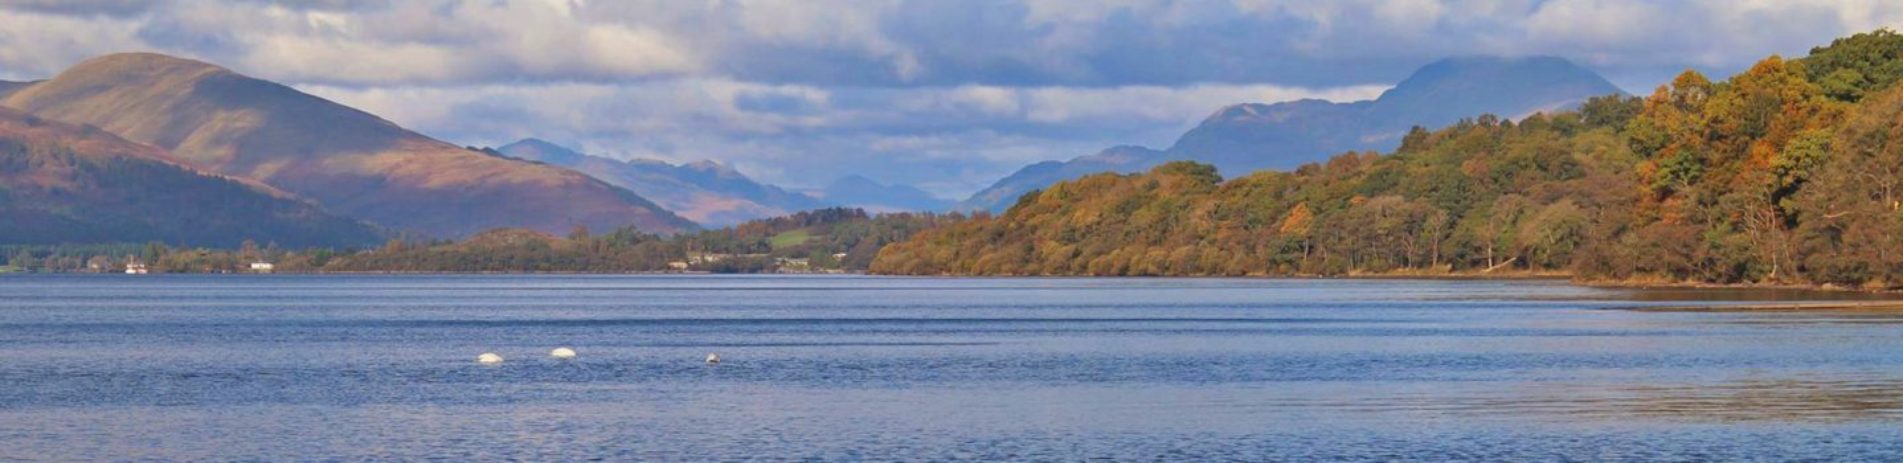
<point x="61" y="183"/>
<point x="349" y="161"/>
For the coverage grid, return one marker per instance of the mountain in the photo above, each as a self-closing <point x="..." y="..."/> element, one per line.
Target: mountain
<point x="1247" y="137"/>
<point x="868" y="194"/>
<point x="348" y="161"/>
<point x="705" y="192"/>
<point x="61" y="183"/>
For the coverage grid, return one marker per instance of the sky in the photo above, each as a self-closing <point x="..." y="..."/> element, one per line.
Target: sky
<point x="946" y="95"/>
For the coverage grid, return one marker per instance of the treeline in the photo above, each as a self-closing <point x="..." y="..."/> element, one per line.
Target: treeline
<point x="1791" y="172"/>
<point x="758" y="246"/>
<point x="819" y="235"/>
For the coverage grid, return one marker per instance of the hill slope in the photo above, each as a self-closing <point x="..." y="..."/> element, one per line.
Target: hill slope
<point x="349" y="161"/>
<point x="1001" y="194"/>
<point x="1247" y="137"/>
<point x="705" y="192"/>
<point x="61" y="183"/>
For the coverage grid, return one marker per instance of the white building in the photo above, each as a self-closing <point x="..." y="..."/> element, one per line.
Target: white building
<point x="262" y="267"/>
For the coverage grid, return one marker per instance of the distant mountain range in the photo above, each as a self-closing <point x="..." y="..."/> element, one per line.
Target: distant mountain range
<point x="348" y="161"/>
<point x="707" y="192"/>
<point x="715" y="194"/>
<point x="865" y="193"/>
<point x="1247" y="137"/>
<point x="61" y="183"/>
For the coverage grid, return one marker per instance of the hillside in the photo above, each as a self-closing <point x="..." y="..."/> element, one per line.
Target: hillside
<point x="349" y="161"/>
<point x="1784" y="174"/>
<point x="1003" y="193"/>
<point x="61" y="183"/>
<point x="1243" y="138"/>
<point x="705" y="192"/>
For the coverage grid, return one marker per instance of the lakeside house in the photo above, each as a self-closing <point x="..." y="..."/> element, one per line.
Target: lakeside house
<point x="263" y="267"/>
<point x="710" y="258"/>
<point x="678" y="266"/>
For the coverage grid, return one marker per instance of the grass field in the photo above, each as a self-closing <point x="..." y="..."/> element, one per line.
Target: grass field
<point x="791" y="238"/>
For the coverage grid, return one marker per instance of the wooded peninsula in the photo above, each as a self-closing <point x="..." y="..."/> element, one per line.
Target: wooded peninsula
<point x="1787" y="173"/>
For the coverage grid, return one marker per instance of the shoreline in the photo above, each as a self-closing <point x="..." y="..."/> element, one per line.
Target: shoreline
<point x="1647" y="284"/>
<point x="1895" y="306"/>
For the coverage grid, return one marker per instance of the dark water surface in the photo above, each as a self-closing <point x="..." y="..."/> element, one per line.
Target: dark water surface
<point x="861" y="368"/>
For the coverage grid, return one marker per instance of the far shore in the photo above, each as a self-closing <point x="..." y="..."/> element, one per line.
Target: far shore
<point x="1636" y="283"/>
<point x="1831" y="306"/>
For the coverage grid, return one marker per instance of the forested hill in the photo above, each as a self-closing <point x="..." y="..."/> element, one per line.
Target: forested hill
<point x="1790" y="172"/>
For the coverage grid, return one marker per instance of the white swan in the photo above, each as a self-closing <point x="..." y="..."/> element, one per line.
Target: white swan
<point x="488" y="357"/>
<point x="713" y="359"/>
<point x="563" y="353"/>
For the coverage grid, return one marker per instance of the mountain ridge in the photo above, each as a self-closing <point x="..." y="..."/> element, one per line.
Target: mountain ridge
<point x="704" y="191"/>
<point x="865" y="193"/>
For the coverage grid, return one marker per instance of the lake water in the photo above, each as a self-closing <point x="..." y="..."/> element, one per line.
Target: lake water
<point x="863" y="368"/>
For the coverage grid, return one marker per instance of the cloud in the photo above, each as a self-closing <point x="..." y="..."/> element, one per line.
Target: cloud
<point x="36" y="45"/>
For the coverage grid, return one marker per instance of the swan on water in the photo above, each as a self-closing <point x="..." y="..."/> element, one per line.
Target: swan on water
<point x="713" y="359"/>
<point x="563" y="353"/>
<point x="488" y="357"/>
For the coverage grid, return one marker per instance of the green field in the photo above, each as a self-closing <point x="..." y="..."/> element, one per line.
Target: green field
<point x="790" y="239"/>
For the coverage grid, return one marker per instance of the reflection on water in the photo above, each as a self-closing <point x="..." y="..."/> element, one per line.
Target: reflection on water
<point x="1766" y="400"/>
<point x="1770" y="401"/>
<point x="854" y="368"/>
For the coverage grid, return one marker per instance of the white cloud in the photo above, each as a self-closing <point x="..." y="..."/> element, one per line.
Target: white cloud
<point x="1597" y="23"/>
<point x="35" y="45"/>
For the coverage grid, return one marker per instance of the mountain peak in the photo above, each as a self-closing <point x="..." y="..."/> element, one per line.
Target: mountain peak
<point x="536" y="149"/>
<point x="716" y="168"/>
<point x="538" y="143"/>
<point x="1455" y="66"/>
<point x="855" y="180"/>
<point x="1468" y="86"/>
<point x="141" y="64"/>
